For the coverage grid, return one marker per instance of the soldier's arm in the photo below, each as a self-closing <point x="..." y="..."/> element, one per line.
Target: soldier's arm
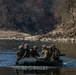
<point x="45" y="55"/>
<point x="24" y="55"/>
<point x="17" y="54"/>
<point x="42" y="52"/>
<point x="41" y="56"/>
<point x="37" y="54"/>
<point x="52" y="56"/>
<point x="58" y="52"/>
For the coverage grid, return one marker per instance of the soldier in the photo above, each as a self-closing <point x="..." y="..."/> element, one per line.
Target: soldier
<point x="55" y="53"/>
<point x="34" y="52"/>
<point x="27" y="51"/>
<point x="19" y="53"/>
<point x="45" y="53"/>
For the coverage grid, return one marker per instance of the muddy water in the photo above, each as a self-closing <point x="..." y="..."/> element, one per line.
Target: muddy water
<point x="7" y="59"/>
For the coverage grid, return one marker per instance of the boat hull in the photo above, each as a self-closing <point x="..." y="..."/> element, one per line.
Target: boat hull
<point x="39" y="62"/>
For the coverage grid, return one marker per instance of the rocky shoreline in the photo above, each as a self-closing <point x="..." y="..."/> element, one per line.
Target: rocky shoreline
<point x="38" y="38"/>
<point x="12" y="35"/>
<point x="63" y="40"/>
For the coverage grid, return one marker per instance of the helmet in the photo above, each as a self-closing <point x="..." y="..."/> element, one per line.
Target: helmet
<point x="43" y="46"/>
<point x="26" y="46"/>
<point x="49" y="47"/>
<point x="20" y="47"/>
<point x="35" y="47"/>
<point x="52" y="46"/>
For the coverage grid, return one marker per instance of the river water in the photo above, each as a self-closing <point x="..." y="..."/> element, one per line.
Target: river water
<point x="7" y="59"/>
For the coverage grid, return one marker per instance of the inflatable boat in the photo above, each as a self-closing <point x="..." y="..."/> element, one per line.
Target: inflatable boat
<point x="39" y="62"/>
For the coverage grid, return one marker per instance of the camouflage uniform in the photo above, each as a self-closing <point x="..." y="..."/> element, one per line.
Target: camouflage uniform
<point x="27" y="51"/>
<point x="33" y="52"/>
<point x="54" y="53"/>
<point x="19" y="53"/>
<point x="45" y="53"/>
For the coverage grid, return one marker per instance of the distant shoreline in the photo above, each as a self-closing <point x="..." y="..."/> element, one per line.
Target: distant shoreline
<point x="13" y="35"/>
<point x="35" y="38"/>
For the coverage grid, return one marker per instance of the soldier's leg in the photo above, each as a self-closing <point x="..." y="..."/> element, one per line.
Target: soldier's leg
<point x="17" y="61"/>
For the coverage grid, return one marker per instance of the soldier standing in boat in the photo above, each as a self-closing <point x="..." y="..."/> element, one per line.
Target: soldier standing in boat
<point x="19" y="53"/>
<point x="27" y="51"/>
<point x="45" y="53"/>
<point x="54" y="53"/>
<point x="33" y="52"/>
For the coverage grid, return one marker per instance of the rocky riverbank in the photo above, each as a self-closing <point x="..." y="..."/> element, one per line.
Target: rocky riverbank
<point x="12" y="35"/>
<point x="64" y="40"/>
<point x="37" y="38"/>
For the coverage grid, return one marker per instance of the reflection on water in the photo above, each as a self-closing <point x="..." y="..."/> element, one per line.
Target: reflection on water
<point x="53" y="71"/>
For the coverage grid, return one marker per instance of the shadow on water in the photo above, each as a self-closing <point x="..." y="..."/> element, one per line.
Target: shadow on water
<point x="55" y="71"/>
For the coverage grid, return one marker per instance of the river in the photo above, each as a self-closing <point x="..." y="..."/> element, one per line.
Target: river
<point x="7" y="59"/>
